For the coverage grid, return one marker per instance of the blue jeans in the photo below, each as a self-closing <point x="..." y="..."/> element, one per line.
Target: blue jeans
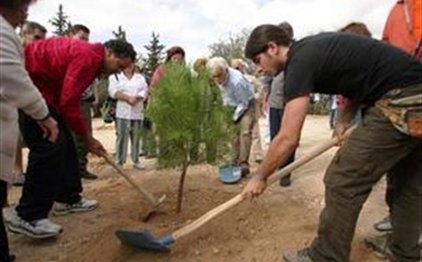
<point x="127" y="129"/>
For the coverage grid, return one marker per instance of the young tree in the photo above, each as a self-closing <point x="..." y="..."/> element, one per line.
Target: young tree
<point x="61" y="22"/>
<point x="120" y="33"/>
<point x="154" y="54"/>
<point x="188" y="115"/>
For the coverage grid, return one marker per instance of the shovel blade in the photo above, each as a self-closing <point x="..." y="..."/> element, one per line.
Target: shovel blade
<point x="142" y="240"/>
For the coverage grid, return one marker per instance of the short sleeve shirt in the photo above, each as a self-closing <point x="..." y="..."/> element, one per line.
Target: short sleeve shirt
<point x="357" y="67"/>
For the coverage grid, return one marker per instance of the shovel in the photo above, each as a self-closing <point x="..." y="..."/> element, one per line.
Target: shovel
<point x="145" y="240"/>
<point x="155" y="203"/>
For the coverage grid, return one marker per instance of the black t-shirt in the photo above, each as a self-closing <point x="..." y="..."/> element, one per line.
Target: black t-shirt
<point x="357" y="67"/>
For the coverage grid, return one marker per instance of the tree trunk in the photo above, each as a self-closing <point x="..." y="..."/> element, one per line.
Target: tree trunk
<point x="181" y="184"/>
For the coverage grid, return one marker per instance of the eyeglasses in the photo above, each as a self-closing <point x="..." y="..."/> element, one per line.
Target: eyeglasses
<point x="38" y="37"/>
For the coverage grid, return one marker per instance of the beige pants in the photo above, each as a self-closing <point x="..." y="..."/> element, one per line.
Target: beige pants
<point x="243" y="140"/>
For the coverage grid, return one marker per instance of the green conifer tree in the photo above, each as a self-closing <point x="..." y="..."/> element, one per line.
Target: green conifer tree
<point x="61" y="23"/>
<point x="154" y="54"/>
<point x="189" y="118"/>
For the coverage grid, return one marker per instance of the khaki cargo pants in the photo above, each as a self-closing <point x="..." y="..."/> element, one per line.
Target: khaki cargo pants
<point x="372" y="150"/>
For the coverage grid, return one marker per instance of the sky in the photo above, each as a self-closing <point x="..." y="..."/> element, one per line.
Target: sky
<point x="196" y="24"/>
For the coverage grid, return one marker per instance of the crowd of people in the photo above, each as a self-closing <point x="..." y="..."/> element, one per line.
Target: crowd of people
<point x="46" y="98"/>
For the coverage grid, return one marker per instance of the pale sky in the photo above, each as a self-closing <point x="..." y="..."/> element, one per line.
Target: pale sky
<point x="195" y="24"/>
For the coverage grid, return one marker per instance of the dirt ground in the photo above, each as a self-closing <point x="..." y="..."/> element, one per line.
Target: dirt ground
<point x="281" y="219"/>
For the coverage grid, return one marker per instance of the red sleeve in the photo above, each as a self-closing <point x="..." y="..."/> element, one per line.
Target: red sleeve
<point x="80" y="73"/>
<point x="156" y="76"/>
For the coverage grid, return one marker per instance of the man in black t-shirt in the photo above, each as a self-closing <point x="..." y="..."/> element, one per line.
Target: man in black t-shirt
<point x="366" y="72"/>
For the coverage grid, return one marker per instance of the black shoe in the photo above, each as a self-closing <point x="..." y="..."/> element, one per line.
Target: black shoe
<point x="245" y="170"/>
<point x="88" y="175"/>
<point x="285" y="181"/>
<point x="12" y="257"/>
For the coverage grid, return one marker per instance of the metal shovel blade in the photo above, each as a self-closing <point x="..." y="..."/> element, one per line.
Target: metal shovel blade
<point x="142" y="240"/>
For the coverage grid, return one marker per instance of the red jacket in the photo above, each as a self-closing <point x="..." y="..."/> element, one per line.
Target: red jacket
<point x="62" y="68"/>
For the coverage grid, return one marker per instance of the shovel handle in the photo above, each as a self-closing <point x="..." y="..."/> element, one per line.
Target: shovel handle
<point x="318" y="150"/>
<point x="145" y="193"/>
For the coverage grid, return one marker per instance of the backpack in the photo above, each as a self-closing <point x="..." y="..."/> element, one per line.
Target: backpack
<point x="108" y="110"/>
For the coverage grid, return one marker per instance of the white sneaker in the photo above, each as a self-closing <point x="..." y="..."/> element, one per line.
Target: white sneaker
<point x="8" y="214"/>
<point x="84" y="205"/>
<point x="38" y="229"/>
<point x="138" y="166"/>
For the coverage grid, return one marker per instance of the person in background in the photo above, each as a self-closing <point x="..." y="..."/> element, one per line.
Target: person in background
<point x="174" y="55"/>
<point x="236" y="92"/>
<point x="241" y="65"/>
<point x="61" y="68"/>
<point x="264" y="109"/>
<point x="146" y="123"/>
<point x="130" y="89"/>
<point x="81" y="32"/>
<point x="333" y="107"/>
<point x="16" y="92"/>
<point x="403" y="27"/>
<point x="30" y="32"/>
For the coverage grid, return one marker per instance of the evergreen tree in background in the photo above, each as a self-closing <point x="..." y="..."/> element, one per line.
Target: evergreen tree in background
<point x="120" y="33"/>
<point x="61" y="23"/>
<point x="154" y="54"/>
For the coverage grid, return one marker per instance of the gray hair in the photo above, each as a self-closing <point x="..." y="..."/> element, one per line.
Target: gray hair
<point x="215" y="63"/>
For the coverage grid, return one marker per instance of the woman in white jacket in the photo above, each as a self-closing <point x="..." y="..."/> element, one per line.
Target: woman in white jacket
<point x="130" y="89"/>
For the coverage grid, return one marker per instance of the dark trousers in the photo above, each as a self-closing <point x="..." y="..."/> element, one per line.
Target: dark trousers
<point x="81" y="149"/>
<point x="373" y="148"/>
<point x="4" y="244"/>
<point x="52" y="173"/>
<point x="276" y="116"/>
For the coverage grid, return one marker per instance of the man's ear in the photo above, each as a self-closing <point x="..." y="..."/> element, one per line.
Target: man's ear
<point x="273" y="48"/>
<point x="108" y="52"/>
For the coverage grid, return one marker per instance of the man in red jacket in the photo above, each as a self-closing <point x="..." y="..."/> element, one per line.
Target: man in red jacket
<point x="61" y="68"/>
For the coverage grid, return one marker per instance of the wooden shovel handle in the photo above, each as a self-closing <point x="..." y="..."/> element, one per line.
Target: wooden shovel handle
<point x="145" y="193"/>
<point x="318" y="150"/>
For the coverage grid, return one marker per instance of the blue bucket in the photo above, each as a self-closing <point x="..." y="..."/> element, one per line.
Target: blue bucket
<point x="230" y="174"/>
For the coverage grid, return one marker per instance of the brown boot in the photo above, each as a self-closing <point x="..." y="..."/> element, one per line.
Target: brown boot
<point x="379" y="244"/>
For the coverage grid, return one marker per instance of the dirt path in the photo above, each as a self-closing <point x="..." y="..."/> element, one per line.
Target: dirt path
<point x="283" y="218"/>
